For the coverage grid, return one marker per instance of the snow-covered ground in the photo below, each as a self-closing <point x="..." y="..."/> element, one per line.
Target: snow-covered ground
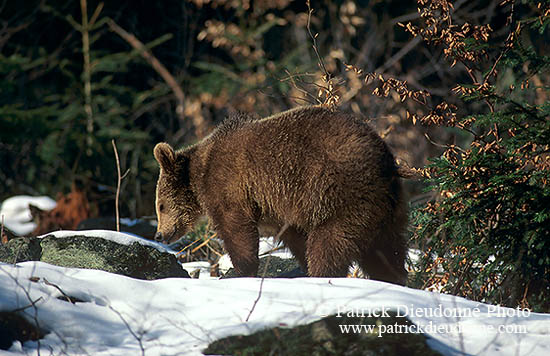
<point x="122" y="316"/>
<point x="125" y="316"/>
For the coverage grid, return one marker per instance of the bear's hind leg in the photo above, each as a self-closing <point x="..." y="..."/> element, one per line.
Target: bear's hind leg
<point x="296" y="243"/>
<point x="385" y="260"/>
<point x="329" y="251"/>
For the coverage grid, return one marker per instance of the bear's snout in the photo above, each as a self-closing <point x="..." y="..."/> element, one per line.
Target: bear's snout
<point x="158" y="236"/>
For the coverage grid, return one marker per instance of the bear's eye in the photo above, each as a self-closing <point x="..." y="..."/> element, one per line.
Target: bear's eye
<point x="161" y="207"/>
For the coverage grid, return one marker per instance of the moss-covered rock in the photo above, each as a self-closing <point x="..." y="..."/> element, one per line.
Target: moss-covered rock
<point x="6" y="255"/>
<point x="135" y="260"/>
<point x="326" y="337"/>
<point x="20" y="250"/>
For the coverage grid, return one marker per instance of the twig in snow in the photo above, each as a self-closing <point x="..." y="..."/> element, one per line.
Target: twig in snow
<point x="33" y="302"/>
<point x="281" y="232"/>
<point x="138" y="338"/>
<point x="69" y="299"/>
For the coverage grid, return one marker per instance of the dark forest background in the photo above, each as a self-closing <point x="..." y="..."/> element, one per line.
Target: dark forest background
<point x="459" y="89"/>
<point x="254" y="56"/>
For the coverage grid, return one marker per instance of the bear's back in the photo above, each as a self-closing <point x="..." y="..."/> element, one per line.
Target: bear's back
<point x="301" y="165"/>
<point x="303" y="131"/>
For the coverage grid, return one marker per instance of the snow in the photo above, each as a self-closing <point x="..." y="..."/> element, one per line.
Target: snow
<point x="182" y="316"/>
<point x="17" y="215"/>
<point x="268" y="246"/>
<point x="123" y="238"/>
<point x="203" y="268"/>
<point x="133" y="222"/>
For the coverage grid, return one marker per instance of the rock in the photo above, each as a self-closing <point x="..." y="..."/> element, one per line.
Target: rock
<point x="6" y="255"/>
<point x="325" y="337"/>
<point x="294" y="273"/>
<point x="20" y="250"/>
<point x="135" y="260"/>
<point x="276" y="267"/>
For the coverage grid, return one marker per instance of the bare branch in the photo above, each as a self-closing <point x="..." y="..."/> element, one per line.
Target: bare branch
<point x="119" y="181"/>
<point x="314" y="40"/>
<point x="154" y="62"/>
<point x="136" y="336"/>
<point x="69" y="299"/>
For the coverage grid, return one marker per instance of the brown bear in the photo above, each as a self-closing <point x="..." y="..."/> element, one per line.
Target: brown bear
<point x="323" y="176"/>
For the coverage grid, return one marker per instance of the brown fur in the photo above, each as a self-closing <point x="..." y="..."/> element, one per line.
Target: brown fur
<point x="69" y="211"/>
<point x="327" y="175"/>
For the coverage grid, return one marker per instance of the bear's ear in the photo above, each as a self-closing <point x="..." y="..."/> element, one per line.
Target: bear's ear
<point x="165" y="156"/>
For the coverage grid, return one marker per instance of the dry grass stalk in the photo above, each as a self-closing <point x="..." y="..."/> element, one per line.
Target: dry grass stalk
<point x="279" y="234"/>
<point x="119" y="181"/>
<point x="87" y="76"/>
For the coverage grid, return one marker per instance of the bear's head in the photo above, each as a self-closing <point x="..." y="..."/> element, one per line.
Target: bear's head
<point x="176" y="203"/>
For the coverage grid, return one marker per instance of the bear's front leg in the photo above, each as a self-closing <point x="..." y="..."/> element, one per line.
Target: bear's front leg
<point x="241" y="241"/>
